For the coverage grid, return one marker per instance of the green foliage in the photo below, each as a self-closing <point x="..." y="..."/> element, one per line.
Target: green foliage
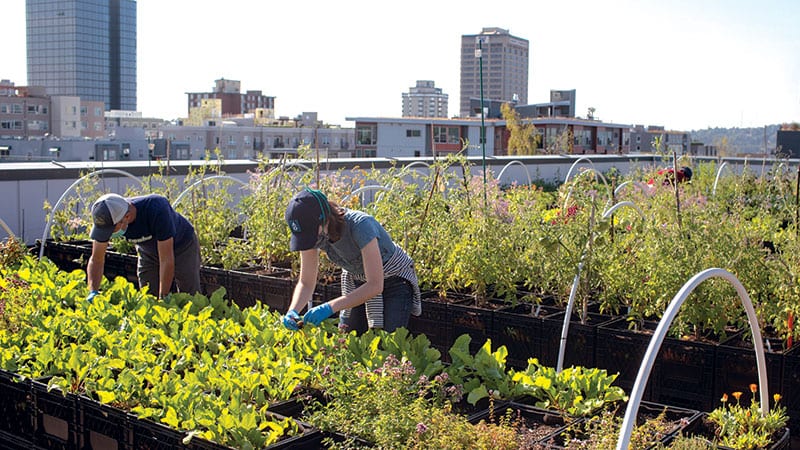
<point x="575" y="391"/>
<point x="482" y="375"/>
<point x="746" y="427"/>
<point x="601" y="432"/>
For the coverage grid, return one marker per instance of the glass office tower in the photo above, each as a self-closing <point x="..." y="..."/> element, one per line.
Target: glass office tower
<point x="84" y="48"/>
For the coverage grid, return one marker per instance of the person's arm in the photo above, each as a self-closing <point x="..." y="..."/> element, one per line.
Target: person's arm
<point x="166" y="266"/>
<point x="373" y="270"/>
<point x="307" y="281"/>
<point x="97" y="261"/>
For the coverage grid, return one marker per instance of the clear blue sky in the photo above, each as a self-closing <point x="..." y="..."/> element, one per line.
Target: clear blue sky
<point x="682" y="64"/>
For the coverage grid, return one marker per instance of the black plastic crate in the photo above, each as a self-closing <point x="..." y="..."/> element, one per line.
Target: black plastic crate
<point x="736" y="369"/>
<point x="16" y="407"/>
<point x="56" y="425"/>
<point x="11" y="441"/>
<point x="326" y="291"/>
<point x="703" y="428"/>
<point x="68" y="256"/>
<point x="435" y="323"/>
<point x="581" y="339"/>
<point x="790" y="388"/>
<point x="104" y="427"/>
<point x="683" y="374"/>
<point x="477" y="322"/>
<point x="620" y="350"/>
<point x="272" y="287"/>
<point x="149" y="435"/>
<point x="519" y="329"/>
<point x="213" y="278"/>
<point x="681" y="418"/>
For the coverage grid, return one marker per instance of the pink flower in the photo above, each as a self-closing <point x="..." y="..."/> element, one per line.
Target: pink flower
<point x="421" y="428"/>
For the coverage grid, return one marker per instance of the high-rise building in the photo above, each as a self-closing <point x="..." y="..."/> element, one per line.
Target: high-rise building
<point x="84" y="48"/>
<point x="505" y="68"/>
<point x="425" y="100"/>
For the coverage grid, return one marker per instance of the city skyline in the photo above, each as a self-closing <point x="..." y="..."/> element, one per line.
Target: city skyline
<point x="683" y="65"/>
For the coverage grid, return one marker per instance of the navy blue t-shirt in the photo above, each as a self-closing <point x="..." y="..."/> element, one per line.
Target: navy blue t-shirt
<point x="157" y="221"/>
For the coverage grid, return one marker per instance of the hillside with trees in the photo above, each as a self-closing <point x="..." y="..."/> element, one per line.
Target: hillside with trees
<point x="739" y="141"/>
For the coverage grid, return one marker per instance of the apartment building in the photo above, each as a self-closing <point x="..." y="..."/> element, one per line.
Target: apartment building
<point x="504" y="58"/>
<point x="425" y="100"/>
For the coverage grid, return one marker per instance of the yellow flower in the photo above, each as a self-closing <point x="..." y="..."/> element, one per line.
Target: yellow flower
<point x="776" y="397"/>
<point x="736" y="395"/>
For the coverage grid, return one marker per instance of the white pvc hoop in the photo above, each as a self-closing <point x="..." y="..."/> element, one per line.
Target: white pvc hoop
<point x="661" y="331"/>
<point x="69" y="189"/>
<point x="7" y="229"/>
<point x="362" y="189"/>
<point x="527" y="172"/>
<point x="716" y="179"/>
<point x="203" y="180"/>
<point x="572" y="167"/>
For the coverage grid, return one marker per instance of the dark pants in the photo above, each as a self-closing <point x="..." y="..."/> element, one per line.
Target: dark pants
<point x="187" y="269"/>
<point x="397" y="297"/>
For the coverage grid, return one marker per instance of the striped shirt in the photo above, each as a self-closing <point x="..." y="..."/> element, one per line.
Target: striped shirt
<point x="399" y="265"/>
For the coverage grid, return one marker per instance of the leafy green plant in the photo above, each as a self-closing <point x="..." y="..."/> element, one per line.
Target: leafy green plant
<point x="575" y="391"/>
<point x="482" y="375"/>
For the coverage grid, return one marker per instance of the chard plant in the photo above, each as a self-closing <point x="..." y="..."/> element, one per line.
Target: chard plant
<point x="574" y="392"/>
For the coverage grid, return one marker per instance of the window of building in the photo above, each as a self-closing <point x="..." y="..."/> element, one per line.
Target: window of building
<point x="16" y="108"/>
<point x="413" y="133"/>
<point x="98" y="111"/>
<point x="4" y="108"/>
<point x="367" y="134"/>
<point x="446" y="135"/>
<point x="84" y="111"/>
<point x="32" y="109"/>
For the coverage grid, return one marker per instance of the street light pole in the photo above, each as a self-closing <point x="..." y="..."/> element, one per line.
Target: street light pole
<point x="479" y="55"/>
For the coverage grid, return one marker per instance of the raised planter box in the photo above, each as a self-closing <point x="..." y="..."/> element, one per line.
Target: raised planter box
<point x="103" y="427"/>
<point x="435" y="322"/>
<point x="736" y="368"/>
<point x="537" y="426"/>
<point x="679" y="417"/>
<point x="56" y="417"/>
<point x="581" y="339"/>
<point x="790" y="388"/>
<point x="702" y="427"/>
<point x="520" y="329"/>
<point x="16" y="405"/>
<point x="271" y="286"/>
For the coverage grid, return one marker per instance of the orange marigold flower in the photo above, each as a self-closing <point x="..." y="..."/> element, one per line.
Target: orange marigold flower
<point x="736" y="395"/>
<point x="753" y="388"/>
<point x="776" y="397"/>
<point x="724" y="398"/>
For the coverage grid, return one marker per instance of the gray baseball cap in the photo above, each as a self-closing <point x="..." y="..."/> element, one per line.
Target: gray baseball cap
<point x="107" y="211"/>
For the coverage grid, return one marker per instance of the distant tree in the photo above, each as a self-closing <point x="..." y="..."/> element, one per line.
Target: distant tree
<point x="523" y="139"/>
<point x="723" y="146"/>
<point x="590" y="114"/>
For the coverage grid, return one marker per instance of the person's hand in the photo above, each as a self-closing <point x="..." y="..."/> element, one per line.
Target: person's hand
<point x="317" y="314"/>
<point x="91" y="296"/>
<point x="292" y="320"/>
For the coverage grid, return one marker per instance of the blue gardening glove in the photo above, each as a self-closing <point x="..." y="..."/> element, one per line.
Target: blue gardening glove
<point x="91" y="296"/>
<point x="317" y="314"/>
<point x="292" y="320"/>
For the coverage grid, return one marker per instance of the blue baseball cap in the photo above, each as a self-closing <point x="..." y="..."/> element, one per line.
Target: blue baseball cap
<point x="304" y="215"/>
